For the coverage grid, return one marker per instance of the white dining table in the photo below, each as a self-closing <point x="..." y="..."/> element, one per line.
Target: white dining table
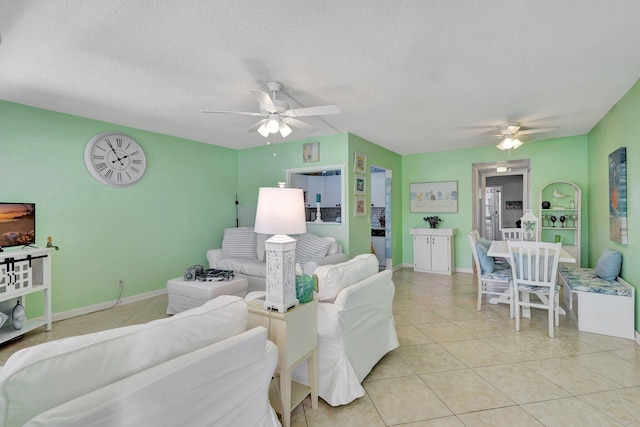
<point x="500" y="248"/>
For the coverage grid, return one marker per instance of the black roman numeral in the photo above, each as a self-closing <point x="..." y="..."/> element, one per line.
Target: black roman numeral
<point x="101" y="166"/>
<point x="119" y="142"/>
<point x="135" y="170"/>
<point x="96" y="157"/>
<point x="108" y="174"/>
<point x="137" y="162"/>
<point x="134" y="153"/>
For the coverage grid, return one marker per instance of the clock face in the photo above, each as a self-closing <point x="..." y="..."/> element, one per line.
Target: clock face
<point x="115" y="159"/>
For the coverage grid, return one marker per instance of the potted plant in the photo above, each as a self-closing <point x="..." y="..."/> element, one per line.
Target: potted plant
<point x="433" y="221"/>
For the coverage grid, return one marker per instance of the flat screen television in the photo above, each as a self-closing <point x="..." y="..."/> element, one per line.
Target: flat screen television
<point x="17" y="224"/>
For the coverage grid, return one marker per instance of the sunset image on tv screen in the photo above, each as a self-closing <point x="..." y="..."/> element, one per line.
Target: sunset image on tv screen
<point x="17" y="224"/>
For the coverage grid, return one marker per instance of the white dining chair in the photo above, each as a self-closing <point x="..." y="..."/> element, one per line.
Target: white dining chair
<point x="512" y="234"/>
<point x="534" y="267"/>
<point x="497" y="281"/>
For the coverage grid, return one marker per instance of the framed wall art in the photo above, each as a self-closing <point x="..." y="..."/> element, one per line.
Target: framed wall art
<point x="311" y="152"/>
<point x="434" y="197"/>
<point x="360" y="206"/>
<point x="359" y="162"/>
<point x="618" y="196"/>
<point x="359" y="185"/>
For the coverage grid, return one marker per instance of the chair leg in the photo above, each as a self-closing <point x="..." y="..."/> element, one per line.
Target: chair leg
<point x="480" y="288"/>
<point x="517" y="308"/>
<point x="550" y="316"/>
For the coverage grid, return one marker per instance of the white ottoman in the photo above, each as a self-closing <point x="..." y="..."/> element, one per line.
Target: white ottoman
<point x="184" y="295"/>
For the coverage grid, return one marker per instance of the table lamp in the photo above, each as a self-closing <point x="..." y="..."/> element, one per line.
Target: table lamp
<point x="280" y="212"/>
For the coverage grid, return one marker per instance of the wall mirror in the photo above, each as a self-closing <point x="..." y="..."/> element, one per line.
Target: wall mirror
<point x="324" y="191"/>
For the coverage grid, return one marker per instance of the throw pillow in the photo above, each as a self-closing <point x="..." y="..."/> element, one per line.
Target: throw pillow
<point x="309" y="247"/>
<point x="609" y="264"/>
<point x="487" y="263"/>
<point x="484" y="242"/>
<point x="239" y="243"/>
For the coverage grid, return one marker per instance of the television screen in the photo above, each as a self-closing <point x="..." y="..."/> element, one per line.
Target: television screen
<point x="17" y="224"/>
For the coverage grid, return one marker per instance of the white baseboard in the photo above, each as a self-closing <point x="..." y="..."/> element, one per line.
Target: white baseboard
<point x="464" y="270"/>
<point x="104" y="305"/>
<point x="637" y="339"/>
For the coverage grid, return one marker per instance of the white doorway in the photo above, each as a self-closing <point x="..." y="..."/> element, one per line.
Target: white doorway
<point x="500" y="198"/>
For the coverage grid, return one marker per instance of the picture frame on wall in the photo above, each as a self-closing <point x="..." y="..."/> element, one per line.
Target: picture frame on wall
<point x="360" y="206"/>
<point x="618" y="196"/>
<point x="434" y="197"/>
<point x="359" y="185"/>
<point x="359" y="163"/>
<point x="311" y="152"/>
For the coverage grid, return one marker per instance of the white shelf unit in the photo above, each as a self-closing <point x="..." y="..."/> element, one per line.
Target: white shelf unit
<point x="433" y="250"/>
<point x="37" y="267"/>
<point x="569" y="207"/>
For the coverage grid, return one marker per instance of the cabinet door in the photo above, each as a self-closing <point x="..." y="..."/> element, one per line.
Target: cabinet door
<point x="422" y="253"/>
<point x="440" y="253"/>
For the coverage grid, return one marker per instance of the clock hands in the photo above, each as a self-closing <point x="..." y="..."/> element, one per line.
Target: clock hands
<point x="120" y="159"/>
<point x="114" y="152"/>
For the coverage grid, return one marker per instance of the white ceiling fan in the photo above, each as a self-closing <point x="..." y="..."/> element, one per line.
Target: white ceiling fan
<point x="276" y="113"/>
<point x="512" y="135"/>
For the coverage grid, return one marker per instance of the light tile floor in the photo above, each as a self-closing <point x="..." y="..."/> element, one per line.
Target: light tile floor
<point x="455" y="366"/>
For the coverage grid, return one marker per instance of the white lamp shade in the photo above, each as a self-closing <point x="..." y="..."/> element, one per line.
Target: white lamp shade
<point x="262" y="130"/>
<point x="280" y="211"/>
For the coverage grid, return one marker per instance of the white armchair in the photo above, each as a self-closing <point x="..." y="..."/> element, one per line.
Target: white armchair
<point x="355" y="305"/>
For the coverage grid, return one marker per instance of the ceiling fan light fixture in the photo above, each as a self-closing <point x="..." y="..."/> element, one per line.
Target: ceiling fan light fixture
<point x="516" y="143"/>
<point x="285" y="130"/>
<point x="273" y="125"/>
<point x="262" y="130"/>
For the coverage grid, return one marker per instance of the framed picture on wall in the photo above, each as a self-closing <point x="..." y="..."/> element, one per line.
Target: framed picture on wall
<point x="618" y="196"/>
<point x="359" y="162"/>
<point x="434" y="197"/>
<point x="359" y="185"/>
<point x="360" y="206"/>
<point x="311" y="152"/>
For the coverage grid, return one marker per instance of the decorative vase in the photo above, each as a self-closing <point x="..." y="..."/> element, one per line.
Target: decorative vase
<point x="546" y="205"/>
<point x="18" y="316"/>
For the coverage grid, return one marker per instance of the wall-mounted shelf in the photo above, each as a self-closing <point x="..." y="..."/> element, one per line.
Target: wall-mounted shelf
<point x="569" y="206"/>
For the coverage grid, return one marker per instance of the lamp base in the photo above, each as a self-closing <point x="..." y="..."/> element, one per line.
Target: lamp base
<point x="318" y="216"/>
<point x="281" y="276"/>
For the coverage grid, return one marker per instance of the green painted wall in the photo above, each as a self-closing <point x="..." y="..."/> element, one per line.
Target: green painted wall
<point x="360" y="230"/>
<point x="620" y="127"/>
<point x="144" y="234"/>
<point x="555" y="159"/>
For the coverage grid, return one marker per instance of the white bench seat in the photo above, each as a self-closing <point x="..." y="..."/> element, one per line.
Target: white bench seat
<point x="598" y="306"/>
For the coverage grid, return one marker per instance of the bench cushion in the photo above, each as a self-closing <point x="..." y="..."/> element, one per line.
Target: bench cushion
<point x="585" y="280"/>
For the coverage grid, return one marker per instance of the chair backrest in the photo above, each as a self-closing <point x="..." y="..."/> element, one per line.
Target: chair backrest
<point x="512" y="234"/>
<point x="475" y="234"/>
<point x="472" y="242"/>
<point x="534" y="263"/>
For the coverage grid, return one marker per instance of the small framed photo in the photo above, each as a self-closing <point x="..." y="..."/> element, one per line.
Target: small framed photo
<point x="359" y="162"/>
<point x="311" y="152"/>
<point x="359" y="185"/>
<point x="360" y="206"/>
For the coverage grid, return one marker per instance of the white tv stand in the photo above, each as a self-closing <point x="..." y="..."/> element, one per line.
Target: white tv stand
<point x="24" y="272"/>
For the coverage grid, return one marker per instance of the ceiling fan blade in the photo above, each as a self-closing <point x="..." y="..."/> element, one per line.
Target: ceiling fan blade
<point x="529" y="131"/>
<point x="313" y="111"/>
<point x="256" y="126"/>
<point x="297" y="123"/>
<point x="244" y="113"/>
<point x="265" y="101"/>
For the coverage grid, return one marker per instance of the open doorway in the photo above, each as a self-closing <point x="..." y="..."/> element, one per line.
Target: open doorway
<point x="500" y="198"/>
<point x="381" y="216"/>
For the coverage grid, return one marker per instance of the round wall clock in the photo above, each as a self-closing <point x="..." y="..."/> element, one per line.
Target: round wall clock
<point x="115" y="159"/>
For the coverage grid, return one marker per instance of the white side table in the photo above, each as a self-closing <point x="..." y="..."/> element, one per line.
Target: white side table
<point x="295" y="333"/>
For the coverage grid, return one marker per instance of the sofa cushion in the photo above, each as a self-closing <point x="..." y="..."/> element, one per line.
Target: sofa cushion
<point x="609" y="265"/>
<point x="250" y="267"/>
<point x="38" y="378"/>
<point x="333" y="278"/>
<point x="239" y="242"/>
<point x="309" y="246"/>
<point x="261" y="238"/>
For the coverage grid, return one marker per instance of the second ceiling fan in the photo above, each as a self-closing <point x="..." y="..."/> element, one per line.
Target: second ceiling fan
<point x="277" y="115"/>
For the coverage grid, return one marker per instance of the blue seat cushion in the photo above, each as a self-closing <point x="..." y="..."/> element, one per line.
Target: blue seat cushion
<point x="609" y="264"/>
<point x="487" y="263"/>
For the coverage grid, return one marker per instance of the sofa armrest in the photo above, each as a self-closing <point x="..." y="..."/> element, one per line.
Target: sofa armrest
<point x="214" y="256"/>
<point x="310" y="266"/>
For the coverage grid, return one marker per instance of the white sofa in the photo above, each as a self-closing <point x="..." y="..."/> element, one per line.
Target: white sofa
<point x="243" y="252"/>
<point x="199" y="367"/>
<point x="355" y="327"/>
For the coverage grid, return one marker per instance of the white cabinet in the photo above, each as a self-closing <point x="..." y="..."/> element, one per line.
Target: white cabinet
<point x="377" y="189"/>
<point x="332" y="191"/>
<point x="24" y="272"/>
<point x="562" y="219"/>
<point x="433" y="250"/>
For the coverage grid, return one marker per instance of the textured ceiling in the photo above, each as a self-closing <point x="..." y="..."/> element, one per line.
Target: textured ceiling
<point x="412" y="76"/>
